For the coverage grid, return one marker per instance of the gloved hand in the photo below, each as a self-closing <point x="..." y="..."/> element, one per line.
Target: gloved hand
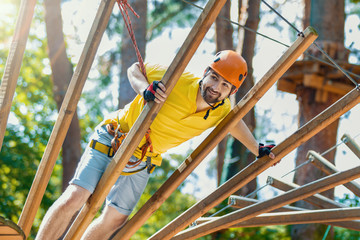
<point x="265" y="149"/>
<point x="149" y="92"/>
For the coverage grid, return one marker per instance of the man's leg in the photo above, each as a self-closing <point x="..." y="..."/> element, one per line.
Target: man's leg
<point x="105" y="225"/>
<point x="60" y="213"/>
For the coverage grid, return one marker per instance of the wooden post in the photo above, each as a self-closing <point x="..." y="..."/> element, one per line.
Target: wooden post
<point x="254" y="210"/>
<point x="255" y="168"/>
<point x="317" y="200"/>
<point x="351" y="144"/>
<point x="238" y="112"/>
<point x="13" y="62"/>
<point x="145" y="119"/>
<point x="241" y="202"/>
<point x="66" y="113"/>
<point x="334" y="217"/>
<point x="328" y="168"/>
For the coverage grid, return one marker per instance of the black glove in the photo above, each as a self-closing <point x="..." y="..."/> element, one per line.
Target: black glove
<point x="265" y="150"/>
<point x="149" y="92"/>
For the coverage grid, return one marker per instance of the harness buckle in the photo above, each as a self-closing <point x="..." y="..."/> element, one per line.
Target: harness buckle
<point x="111" y="152"/>
<point x="150" y="167"/>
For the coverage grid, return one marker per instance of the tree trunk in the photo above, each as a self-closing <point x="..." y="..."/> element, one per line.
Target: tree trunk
<point x="128" y="54"/>
<point x="61" y="74"/>
<point x="240" y="155"/>
<point x="322" y="15"/>
<point x="224" y="41"/>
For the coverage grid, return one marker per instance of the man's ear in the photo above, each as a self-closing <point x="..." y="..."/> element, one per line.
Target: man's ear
<point x="233" y="91"/>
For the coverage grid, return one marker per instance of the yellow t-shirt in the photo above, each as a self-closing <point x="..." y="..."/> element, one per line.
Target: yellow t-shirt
<point x="177" y="120"/>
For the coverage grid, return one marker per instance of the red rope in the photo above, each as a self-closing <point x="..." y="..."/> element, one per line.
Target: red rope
<point x="123" y="6"/>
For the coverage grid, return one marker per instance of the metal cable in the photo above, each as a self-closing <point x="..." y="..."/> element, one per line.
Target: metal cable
<point x="321" y="50"/>
<point x="277" y="41"/>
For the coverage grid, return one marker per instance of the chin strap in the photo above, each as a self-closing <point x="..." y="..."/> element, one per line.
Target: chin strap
<point x="213" y="107"/>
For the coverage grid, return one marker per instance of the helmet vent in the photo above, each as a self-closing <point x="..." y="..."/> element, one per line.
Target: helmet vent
<point x="241" y="77"/>
<point x="217" y="59"/>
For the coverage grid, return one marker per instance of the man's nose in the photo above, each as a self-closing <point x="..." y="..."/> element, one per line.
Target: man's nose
<point x="216" y="86"/>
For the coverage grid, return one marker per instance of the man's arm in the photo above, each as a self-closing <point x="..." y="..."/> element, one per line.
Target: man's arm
<point x="139" y="83"/>
<point x="242" y="133"/>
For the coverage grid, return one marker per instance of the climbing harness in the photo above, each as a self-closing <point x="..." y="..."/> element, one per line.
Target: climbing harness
<point x="119" y="137"/>
<point x="116" y="132"/>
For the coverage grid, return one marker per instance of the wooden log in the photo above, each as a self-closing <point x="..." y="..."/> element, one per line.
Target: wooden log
<point x="144" y="121"/>
<point x="333" y="217"/>
<point x="328" y="168"/>
<point x="350" y="142"/>
<point x="317" y="200"/>
<point x="217" y="135"/>
<point x="254" y="210"/>
<point x="13" y="62"/>
<point x="66" y="113"/>
<point x="241" y="202"/>
<point x="9" y="230"/>
<point x="255" y="168"/>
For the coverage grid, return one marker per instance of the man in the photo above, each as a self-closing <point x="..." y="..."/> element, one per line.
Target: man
<point x="193" y="106"/>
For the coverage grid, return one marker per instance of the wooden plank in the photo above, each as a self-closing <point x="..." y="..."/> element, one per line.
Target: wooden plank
<point x="245" y="105"/>
<point x="10" y="229"/>
<point x="7" y="230"/>
<point x="350" y="142"/>
<point x="145" y="119"/>
<point x="333" y="217"/>
<point x="254" y="210"/>
<point x="328" y="168"/>
<point x="241" y="202"/>
<point x="11" y="237"/>
<point x="313" y="80"/>
<point x="317" y="200"/>
<point x="255" y="168"/>
<point x="13" y="62"/>
<point x="66" y="113"/>
<point x="286" y="85"/>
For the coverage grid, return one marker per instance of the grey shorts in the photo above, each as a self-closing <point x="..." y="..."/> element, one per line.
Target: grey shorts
<point x="127" y="190"/>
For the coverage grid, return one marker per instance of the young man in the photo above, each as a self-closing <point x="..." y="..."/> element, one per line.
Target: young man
<point x="193" y="106"/>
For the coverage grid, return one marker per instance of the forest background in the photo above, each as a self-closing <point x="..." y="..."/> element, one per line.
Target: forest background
<point x="38" y="97"/>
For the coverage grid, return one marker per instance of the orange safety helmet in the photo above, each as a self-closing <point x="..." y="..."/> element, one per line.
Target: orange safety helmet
<point x="231" y="66"/>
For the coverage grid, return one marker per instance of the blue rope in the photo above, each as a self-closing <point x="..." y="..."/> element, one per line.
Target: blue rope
<point x="326" y="232"/>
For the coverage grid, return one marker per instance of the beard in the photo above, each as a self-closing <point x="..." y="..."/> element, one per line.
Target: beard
<point x="208" y="97"/>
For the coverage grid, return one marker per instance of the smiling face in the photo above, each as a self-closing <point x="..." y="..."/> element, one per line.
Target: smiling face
<point x="214" y="88"/>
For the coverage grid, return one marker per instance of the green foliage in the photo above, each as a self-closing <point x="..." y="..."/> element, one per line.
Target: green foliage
<point x="29" y="126"/>
<point x="170" y="13"/>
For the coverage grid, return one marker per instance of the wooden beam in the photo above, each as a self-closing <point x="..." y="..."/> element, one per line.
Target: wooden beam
<point x="317" y="200"/>
<point x="255" y="168"/>
<point x="241" y="202"/>
<point x="254" y="210"/>
<point x="66" y="113"/>
<point x="145" y="119"/>
<point x="328" y="168"/>
<point x="13" y="62"/>
<point x="333" y="217"/>
<point x="219" y="133"/>
<point x="350" y="142"/>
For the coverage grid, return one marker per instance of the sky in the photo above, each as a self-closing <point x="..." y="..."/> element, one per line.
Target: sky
<point x="282" y="108"/>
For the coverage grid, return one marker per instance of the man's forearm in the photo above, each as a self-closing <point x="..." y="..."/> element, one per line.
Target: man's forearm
<point x="242" y="133"/>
